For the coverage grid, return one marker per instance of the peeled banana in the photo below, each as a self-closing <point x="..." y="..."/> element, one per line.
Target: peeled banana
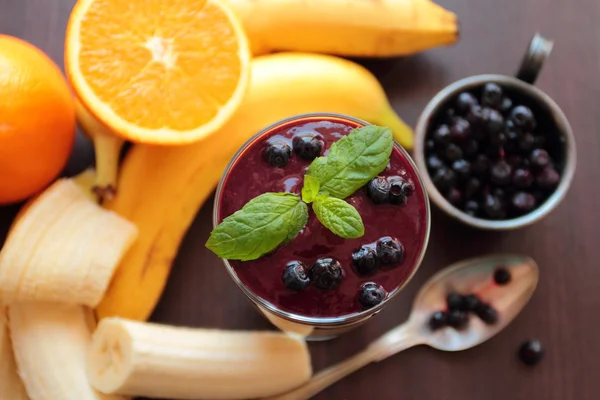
<point x="11" y="386"/>
<point x="148" y="359"/>
<point x="162" y="188"/>
<point x="50" y="343"/>
<point x="361" y="28"/>
<point x="63" y="248"/>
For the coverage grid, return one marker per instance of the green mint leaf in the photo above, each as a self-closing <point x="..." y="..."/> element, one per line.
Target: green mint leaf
<point x="338" y="216"/>
<point x="259" y="227"/>
<point x="310" y="189"/>
<point x="353" y="160"/>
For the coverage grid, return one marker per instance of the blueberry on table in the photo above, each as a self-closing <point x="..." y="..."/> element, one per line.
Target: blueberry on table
<point x="397" y="196"/>
<point x="294" y="276"/>
<point x="462" y="168"/>
<point x="523" y="118"/>
<point x="326" y="273"/>
<point x="454" y="301"/>
<point x="378" y="190"/>
<point x="458" y="319"/>
<point x="438" y="320"/>
<point x="441" y="136"/>
<point x="502" y="276"/>
<point x="522" y="178"/>
<point x="493" y="207"/>
<point x="364" y="261"/>
<point x="454" y="196"/>
<point x="539" y="158"/>
<point x="492" y="95"/>
<point x="465" y="101"/>
<point x="548" y="178"/>
<point x="506" y="105"/>
<point x="472" y="208"/>
<point x="531" y="352"/>
<point x="370" y="295"/>
<point x="277" y="154"/>
<point x="501" y="173"/>
<point x="460" y="130"/>
<point x="453" y="152"/>
<point x="487" y="313"/>
<point x="444" y="179"/>
<point x="308" y="147"/>
<point x="434" y="162"/>
<point x="523" y="202"/>
<point x="471" y="302"/>
<point x="390" y="252"/>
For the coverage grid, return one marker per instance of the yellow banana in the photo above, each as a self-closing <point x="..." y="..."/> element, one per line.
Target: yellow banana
<point x="162" y="188"/>
<point x="371" y="28"/>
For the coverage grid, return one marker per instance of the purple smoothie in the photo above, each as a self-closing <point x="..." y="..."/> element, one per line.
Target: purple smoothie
<point x="250" y="175"/>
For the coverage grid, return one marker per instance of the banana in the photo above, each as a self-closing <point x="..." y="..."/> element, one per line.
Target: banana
<point x="50" y="343"/>
<point x="64" y="248"/>
<point x="162" y="188"/>
<point x="359" y="28"/>
<point x="11" y="386"/>
<point x="148" y="359"/>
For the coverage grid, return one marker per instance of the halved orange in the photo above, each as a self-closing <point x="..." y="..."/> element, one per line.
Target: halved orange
<point x="158" y="71"/>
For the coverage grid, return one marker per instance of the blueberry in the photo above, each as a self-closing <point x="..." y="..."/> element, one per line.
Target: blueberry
<point x="470" y="148"/>
<point x="460" y="129"/>
<point x="434" y="162"/>
<point x="476" y="118"/>
<point x="522" y="178"/>
<point x="465" y="101"/>
<point x="454" y="196"/>
<point x="540" y="141"/>
<point x="515" y="161"/>
<point x="308" y="147"/>
<point x="523" y="202"/>
<point x="294" y="276"/>
<point x="497" y="139"/>
<point x="444" y="178"/>
<point x="472" y="187"/>
<point x="408" y="188"/>
<point x="493" y="207"/>
<point x="531" y="352"/>
<point x="471" y="302"/>
<point x="548" y="179"/>
<point x="438" y="320"/>
<point x="462" y="168"/>
<point x="453" y="152"/>
<point x="472" y="208"/>
<point x="539" y="158"/>
<point x="364" y="261"/>
<point x="526" y="142"/>
<point x="481" y="165"/>
<point x="487" y="313"/>
<point x="450" y="115"/>
<point x="454" y="301"/>
<point x="500" y="194"/>
<point x="501" y="276"/>
<point x="501" y="173"/>
<point x="458" y="319"/>
<point x="441" y="136"/>
<point x="492" y="95"/>
<point x="506" y="105"/>
<point x="429" y="145"/>
<point x="512" y="136"/>
<point x="522" y="117"/>
<point x="370" y="295"/>
<point x="494" y="121"/>
<point x="390" y="252"/>
<point x="277" y="154"/>
<point x="396" y="194"/>
<point x="378" y="190"/>
<point x="326" y="273"/>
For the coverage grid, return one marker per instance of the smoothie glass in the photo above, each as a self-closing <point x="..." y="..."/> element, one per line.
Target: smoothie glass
<point x="310" y="326"/>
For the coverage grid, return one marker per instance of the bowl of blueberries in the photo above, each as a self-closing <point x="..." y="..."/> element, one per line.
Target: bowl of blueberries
<point x="494" y="151"/>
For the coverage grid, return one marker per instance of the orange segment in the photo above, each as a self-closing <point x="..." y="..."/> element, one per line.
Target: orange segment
<point x="163" y="72"/>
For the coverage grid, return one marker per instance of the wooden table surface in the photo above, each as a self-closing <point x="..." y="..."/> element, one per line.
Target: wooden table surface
<point x="565" y="310"/>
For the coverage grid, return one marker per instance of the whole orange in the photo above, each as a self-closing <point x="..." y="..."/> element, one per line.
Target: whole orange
<point x="37" y="120"/>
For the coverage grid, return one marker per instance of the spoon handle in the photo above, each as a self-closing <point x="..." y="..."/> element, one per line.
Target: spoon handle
<point x="396" y="340"/>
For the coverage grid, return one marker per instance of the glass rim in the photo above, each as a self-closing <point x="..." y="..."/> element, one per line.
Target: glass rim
<point x="321" y="321"/>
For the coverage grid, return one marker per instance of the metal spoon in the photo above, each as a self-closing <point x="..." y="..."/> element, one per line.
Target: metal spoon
<point x="470" y="276"/>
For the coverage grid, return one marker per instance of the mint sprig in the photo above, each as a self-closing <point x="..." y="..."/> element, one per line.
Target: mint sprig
<point x="272" y="219"/>
<point x="353" y="161"/>
<point x="338" y="216"/>
<point x="264" y="223"/>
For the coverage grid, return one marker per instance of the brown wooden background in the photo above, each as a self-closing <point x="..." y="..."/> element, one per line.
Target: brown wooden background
<point x="564" y="312"/>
